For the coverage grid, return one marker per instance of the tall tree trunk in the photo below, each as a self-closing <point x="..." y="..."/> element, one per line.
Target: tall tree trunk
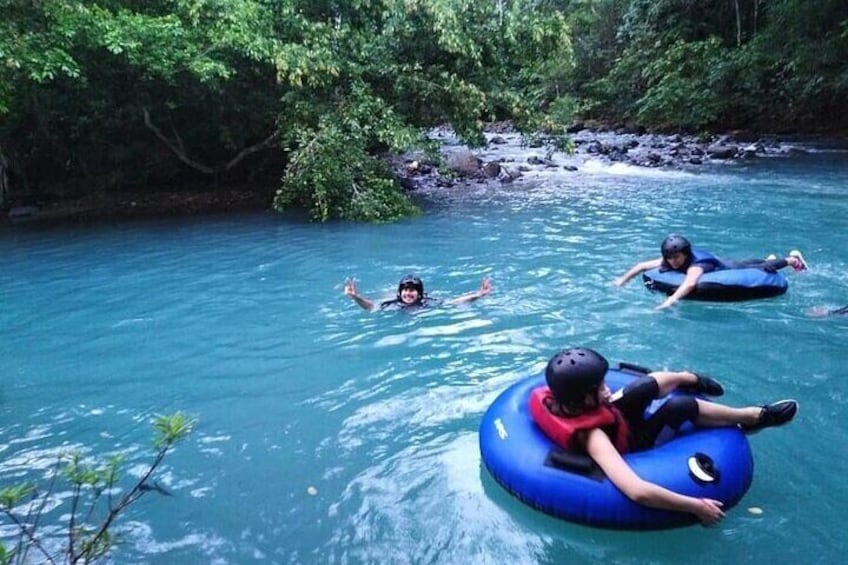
<point x="4" y="179"/>
<point x="738" y="25"/>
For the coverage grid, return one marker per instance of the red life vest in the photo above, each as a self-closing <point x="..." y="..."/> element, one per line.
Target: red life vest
<point x="561" y="430"/>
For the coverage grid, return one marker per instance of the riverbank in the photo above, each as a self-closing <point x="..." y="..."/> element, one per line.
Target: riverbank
<point x="111" y="206"/>
<point x="507" y="158"/>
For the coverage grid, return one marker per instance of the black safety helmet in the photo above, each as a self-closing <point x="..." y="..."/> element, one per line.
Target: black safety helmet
<point x="413" y="282"/>
<point x="674" y="244"/>
<point x="573" y="373"/>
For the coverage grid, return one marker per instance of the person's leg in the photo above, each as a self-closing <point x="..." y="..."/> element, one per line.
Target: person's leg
<point x="711" y="414"/>
<point x="686" y="381"/>
<point x="665" y="422"/>
<point x="640" y="393"/>
<point x="769" y="265"/>
<point x="634" y="399"/>
<point x="750" y="418"/>
<point x="668" y="381"/>
<point x="680" y="409"/>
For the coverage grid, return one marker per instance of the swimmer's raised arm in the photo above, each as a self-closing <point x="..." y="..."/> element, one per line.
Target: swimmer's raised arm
<point x="485" y="288"/>
<point x="350" y="290"/>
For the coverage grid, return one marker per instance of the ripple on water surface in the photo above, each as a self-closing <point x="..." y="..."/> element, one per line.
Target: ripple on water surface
<point x="329" y="434"/>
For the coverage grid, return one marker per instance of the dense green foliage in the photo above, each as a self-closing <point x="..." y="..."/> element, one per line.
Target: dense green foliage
<point x="112" y="95"/>
<point x="703" y="64"/>
<point x="333" y="173"/>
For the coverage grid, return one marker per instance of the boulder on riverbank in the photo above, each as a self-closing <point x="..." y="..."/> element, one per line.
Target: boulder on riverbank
<point x="631" y="146"/>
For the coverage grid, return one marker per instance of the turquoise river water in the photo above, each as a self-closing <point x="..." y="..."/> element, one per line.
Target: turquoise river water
<point x="328" y="434"/>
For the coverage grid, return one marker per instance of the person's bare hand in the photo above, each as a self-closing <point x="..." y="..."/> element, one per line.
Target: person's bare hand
<point x="485" y="287"/>
<point x="709" y="511"/>
<point x="350" y="287"/>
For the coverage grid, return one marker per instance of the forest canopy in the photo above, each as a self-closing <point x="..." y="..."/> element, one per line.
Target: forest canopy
<point x="308" y="96"/>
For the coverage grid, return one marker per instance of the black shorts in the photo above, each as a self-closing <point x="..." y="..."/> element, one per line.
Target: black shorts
<point x="636" y="398"/>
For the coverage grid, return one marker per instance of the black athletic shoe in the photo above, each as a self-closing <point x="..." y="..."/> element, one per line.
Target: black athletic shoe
<point x="705" y="385"/>
<point x="774" y="414"/>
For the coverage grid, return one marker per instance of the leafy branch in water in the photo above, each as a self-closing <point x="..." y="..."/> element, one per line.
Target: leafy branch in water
<point x="94" y="504"/>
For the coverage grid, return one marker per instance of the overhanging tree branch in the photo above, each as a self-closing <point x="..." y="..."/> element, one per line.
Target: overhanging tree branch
<point x="177" y="147"/>
<point x="268" y="142"/>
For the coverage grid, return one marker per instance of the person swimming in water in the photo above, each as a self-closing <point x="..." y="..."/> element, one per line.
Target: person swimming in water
<point x="678" y="255"/>
<point x="602" y="425"/>
<point x="410" y="294"/>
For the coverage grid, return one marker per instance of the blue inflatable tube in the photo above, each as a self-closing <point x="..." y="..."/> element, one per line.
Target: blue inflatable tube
<point x="702" y="462"/>
<point x="725" y="285"/>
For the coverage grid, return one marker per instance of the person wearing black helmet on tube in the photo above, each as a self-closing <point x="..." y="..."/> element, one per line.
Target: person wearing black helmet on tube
<point x="604" y="425"/>
<point x="677" y="254"/>
<point x="410" y="294"/>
